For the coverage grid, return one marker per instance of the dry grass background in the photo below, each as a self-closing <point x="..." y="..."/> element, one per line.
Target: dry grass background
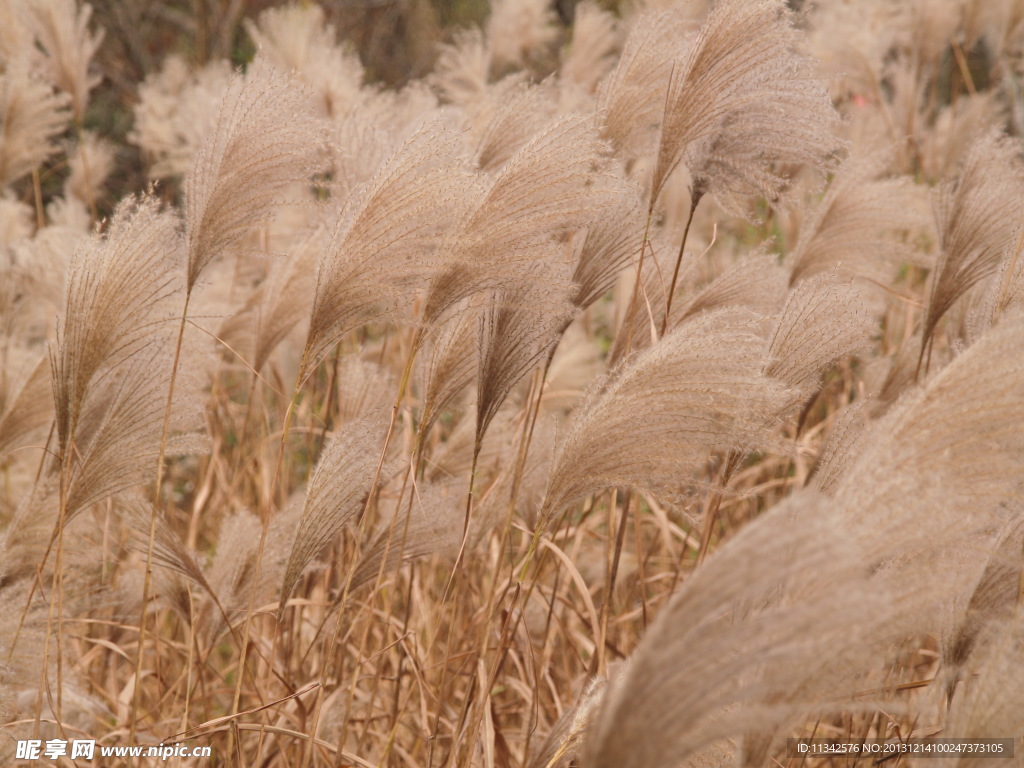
<point x="634" y="384"/>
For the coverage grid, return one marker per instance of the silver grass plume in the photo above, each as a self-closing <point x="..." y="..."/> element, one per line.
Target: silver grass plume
<point x="822" y="321"/>
<point x="26" y="657"/>
<point x="233" y="571"/>
<point x="935" y="477"/>
<point x="844" y="443"/>
<point x="606" y="245"/>
<point x="359" y="149"/>
<point x="177" y="112"/>
<point x="298" y="38"/>
<point x="265" y="140"/>
<point x="90" y="161"/>
<point x="544" y="190"/>
<point x="976" y="215"/>
<point x="596" y="38"/>
<point x="169" y="551"/>
<point x="61" y="28"/>
<point x="755" y="282"/>
<point x="574" y="363"/>
<point x="631" y="97"/>
<point x="657" y="415"/>
<point x="279" y="304"/>
<point x="743" y="101"/>
<point x="567" y="734"/>
<point x="900" y="375"/>
<point x="33" y="115"/>
<point x="35" y="277"/>
<point x="990" y="705"/>
<point x="381" y="253"/>
<point x="864" y="226"/>
<point x="117" y="438"/>
<point x="950" y="451"/>
<point x="1005" y="294"/>
<point x="993" y="600"/>
<point x="523" y="109"/>
<point x="732" y="653"/>
<point x="363" y="387"/>
<point x="335" y="495"/>
<point x="431" y="525"/>
<point x="637" y="325"/>
<point x="115" y="287"/>
<point x="22" y="410"/>
<point x="509" y="481"/>
<point x="519" y="33"/>
<point x="519" y="328"/>
<point x="463" y="68"/>
<point x="453" y="457"/>
<point x="29" y="532"/>
<point x="450" y="367"/>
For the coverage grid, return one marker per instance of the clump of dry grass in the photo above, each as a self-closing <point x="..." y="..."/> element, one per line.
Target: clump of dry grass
<point x="437" y="426"/>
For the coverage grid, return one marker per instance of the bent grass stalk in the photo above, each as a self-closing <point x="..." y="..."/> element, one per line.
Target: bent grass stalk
<point x="714" y="503"/>
<point x="533" y="409"/>
<point x="380" y="575"/>
<point x="695" y="199"/>
<point x="155" y="510"/>
<point x="57" y="596"/>
<point x="627" y="328"/>
<point x="417" y="464"/>
<point x="265" y="527"/>
<point x="529" y="422"/>
<point x="317" y="710"/>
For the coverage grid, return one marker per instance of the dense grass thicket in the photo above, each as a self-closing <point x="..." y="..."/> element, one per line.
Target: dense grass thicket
<point x="436" y="385"/>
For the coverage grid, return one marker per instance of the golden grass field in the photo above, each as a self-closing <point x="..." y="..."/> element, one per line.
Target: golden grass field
<point x="452" y="385"/>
